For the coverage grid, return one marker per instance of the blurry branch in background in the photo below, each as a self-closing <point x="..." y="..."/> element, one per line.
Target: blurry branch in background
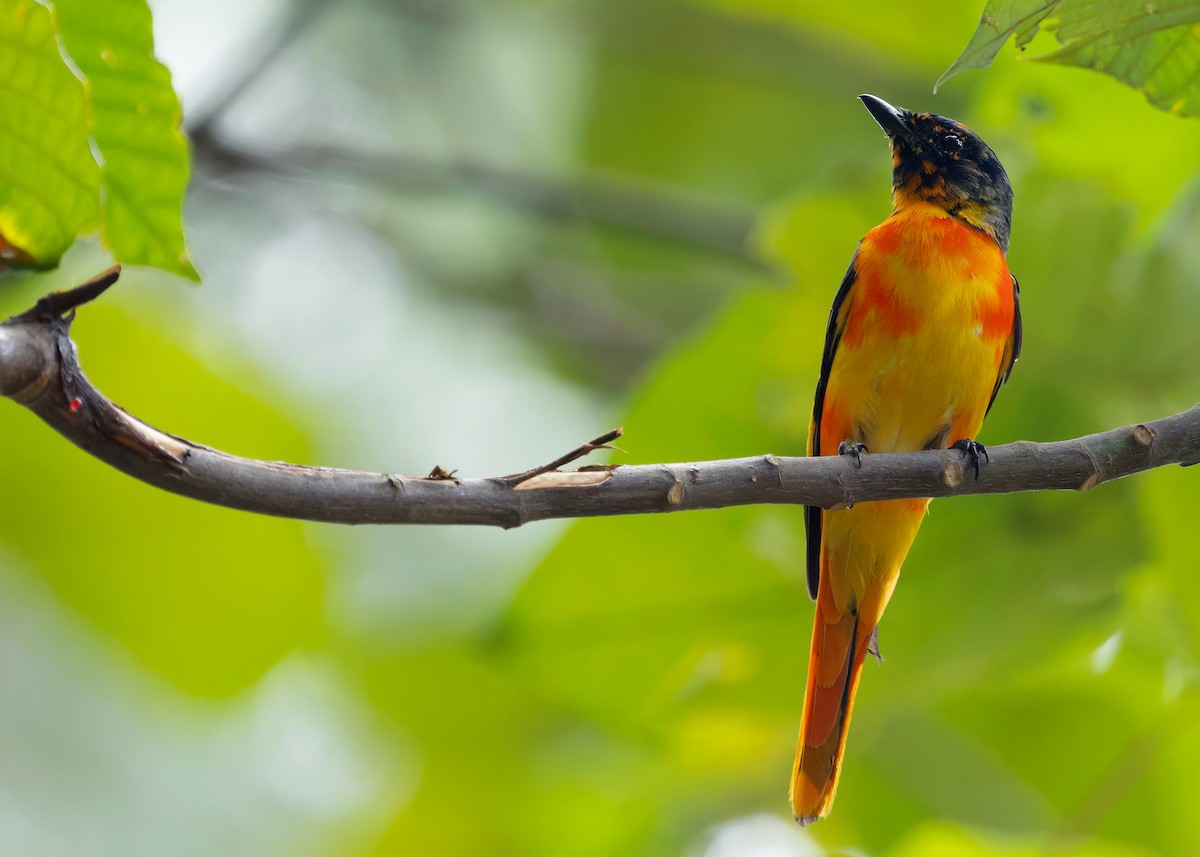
<point x="39" y="369"/>
<point x="295" y="18"/>
<point x="649" y="209"/>
<point x="652" y="210"/>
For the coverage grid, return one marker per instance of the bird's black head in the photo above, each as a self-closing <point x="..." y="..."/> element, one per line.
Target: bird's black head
<point x="943" y="162"/>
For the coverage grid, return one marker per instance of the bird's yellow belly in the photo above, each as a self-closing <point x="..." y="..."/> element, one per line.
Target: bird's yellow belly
<point x="928" y="390"/>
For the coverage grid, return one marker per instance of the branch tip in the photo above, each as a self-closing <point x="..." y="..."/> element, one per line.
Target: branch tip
<point x="56" y="305"/>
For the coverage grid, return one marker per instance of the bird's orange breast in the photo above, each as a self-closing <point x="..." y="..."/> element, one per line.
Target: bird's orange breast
<point x="924" y="334"/>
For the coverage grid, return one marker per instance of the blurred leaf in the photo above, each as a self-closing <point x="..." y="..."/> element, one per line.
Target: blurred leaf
<point x="1048" y="126"/>
<point x="944" y="840"/>
<point x="532" y="780"/>
<point x="732" y="108"/>
<point x="1152" y="47"/>
<point x="1104" y="732"/>
<point x="916" y="41"/>
<point x="1168" y="495"/>
<point x="92" y="136"/>
<point x="207" y="598"/>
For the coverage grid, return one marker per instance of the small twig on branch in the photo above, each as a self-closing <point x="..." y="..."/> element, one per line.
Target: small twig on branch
<point x="575" y="454"/>
<point x="57" y="304"/>
<point x="39" y="369"/>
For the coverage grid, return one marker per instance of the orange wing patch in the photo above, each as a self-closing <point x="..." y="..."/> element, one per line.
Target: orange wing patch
<point x="878" y="310"/>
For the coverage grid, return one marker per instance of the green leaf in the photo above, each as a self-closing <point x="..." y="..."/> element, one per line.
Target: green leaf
<point x="1156" y="52"/>
<point x="1000" y="19"/>
<point x="91" y="136"/>
<point x="1152" y="47"/>
<point x="49" y="181"/>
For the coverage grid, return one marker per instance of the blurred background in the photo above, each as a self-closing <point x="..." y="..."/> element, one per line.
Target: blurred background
<point x="473" y="234"/>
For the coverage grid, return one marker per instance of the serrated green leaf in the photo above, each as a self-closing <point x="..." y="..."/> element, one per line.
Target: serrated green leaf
<point x="1152" y="47"/>
<point x="1157" y="52"/>
<point x="91" y="136"/>
<point x="136" y="123"/>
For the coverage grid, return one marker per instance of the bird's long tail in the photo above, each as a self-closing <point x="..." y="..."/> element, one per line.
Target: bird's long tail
<point x="839" y="645"/>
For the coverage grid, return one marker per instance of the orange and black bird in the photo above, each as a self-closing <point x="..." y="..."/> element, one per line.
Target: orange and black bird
<point x="923" y="331"/>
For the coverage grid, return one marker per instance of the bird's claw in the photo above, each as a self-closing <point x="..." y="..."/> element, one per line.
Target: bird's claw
<point x="972" y="450"/>
<point x="853" y="448"/>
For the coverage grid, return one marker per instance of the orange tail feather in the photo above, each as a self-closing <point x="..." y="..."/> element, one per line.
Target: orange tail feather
<point x="839" y="646"/>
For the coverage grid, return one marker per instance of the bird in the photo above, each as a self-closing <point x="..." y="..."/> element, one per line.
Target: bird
<point x="924" y="330"/>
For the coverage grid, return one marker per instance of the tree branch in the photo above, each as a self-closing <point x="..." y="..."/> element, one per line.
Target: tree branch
<point x="39" y="369"/>
<point x="297" y="17"/>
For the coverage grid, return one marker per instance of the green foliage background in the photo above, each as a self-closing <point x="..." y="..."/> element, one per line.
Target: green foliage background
<point x="182" y="679"/>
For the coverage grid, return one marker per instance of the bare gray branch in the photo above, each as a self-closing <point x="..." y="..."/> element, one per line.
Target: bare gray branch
<point x="39" y="369"/>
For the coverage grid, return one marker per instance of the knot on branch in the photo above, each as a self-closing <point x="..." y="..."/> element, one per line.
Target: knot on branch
<point x="27" y="362"/>
<point x="953" y="474"/>
<point x="1143" y="435"/>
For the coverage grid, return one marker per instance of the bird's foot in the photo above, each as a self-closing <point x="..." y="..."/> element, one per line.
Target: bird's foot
<point x="972" y="450"/>
<point x="853" y="448"/>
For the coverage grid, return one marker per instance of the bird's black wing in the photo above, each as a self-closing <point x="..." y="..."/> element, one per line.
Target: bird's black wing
<point x="833" y="335"/>
<point x="1012" y="349"/>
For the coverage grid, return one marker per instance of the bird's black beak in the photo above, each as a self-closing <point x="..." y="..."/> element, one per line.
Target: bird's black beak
<point x="890" y="119"/>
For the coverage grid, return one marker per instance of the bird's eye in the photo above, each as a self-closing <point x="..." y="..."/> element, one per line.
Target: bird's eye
<point x="953" y="141"/>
